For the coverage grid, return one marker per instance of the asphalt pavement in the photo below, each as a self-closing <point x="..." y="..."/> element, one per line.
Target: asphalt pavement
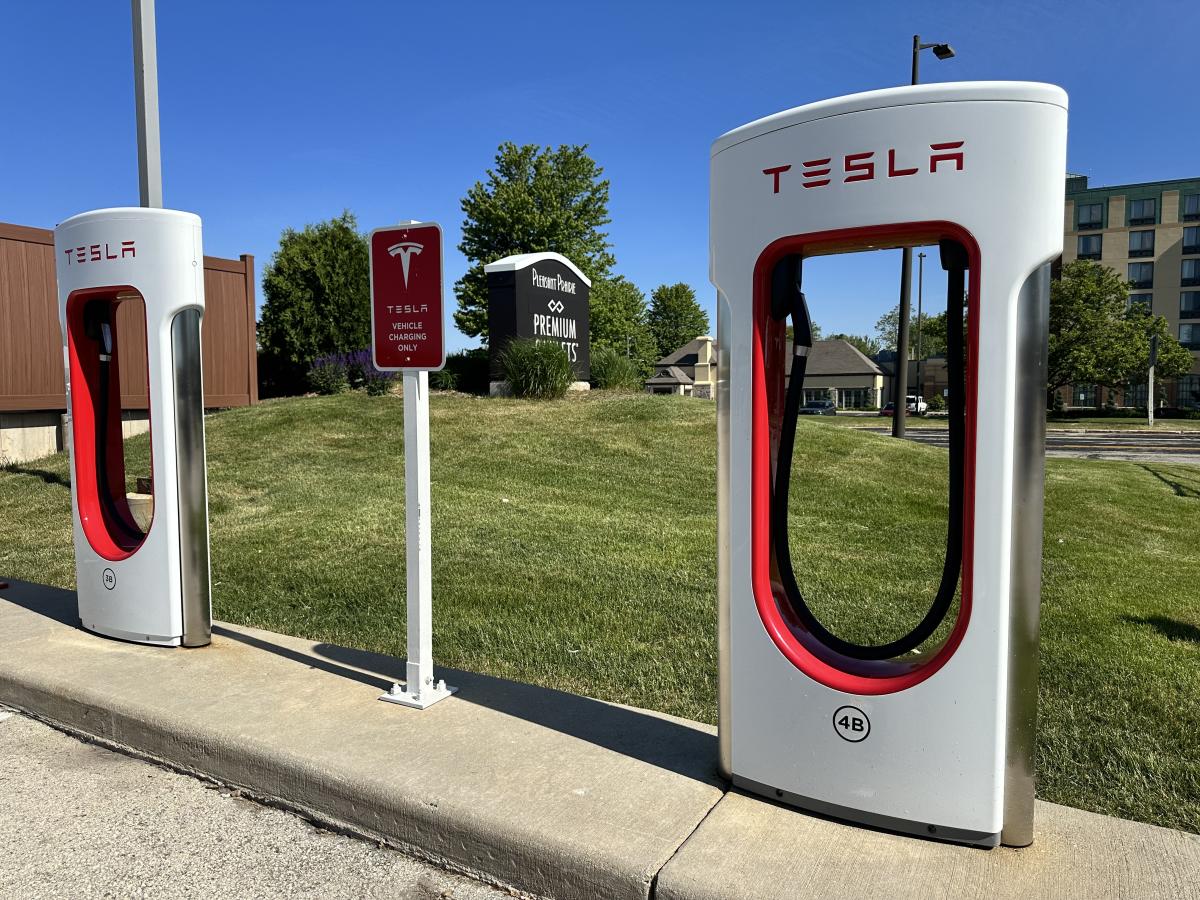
<point x="80" y="821"/>
<point x="1136" y="446"/>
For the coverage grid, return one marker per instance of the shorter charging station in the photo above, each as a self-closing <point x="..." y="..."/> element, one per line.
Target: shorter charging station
<point x="919" y="735"/>
<point x="141" y="578"/>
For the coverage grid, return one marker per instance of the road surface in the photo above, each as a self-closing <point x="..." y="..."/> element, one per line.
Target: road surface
<point x="1139" y="446"/>
<point x="80" y="821"/>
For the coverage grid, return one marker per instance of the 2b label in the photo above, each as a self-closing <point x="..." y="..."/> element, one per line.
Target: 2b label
<point x="851" y="724"/>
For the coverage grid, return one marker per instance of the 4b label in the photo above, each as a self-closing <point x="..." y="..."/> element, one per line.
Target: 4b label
<point x="851" y="724"/>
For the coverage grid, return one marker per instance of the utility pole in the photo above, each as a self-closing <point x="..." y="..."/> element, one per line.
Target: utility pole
<point x="145" y="81"/>
<point x="1150" y="385"/>
<point x="900" y="384"/>
<point x="920" y="324"/>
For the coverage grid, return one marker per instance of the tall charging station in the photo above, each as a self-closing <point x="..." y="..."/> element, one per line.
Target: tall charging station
<point x="919" y="735"/>
<point x="143" y="579"/>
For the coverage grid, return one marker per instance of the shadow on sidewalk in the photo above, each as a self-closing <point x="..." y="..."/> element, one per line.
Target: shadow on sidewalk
<point x="676" y="746"/>
<point x="53" y="603"/>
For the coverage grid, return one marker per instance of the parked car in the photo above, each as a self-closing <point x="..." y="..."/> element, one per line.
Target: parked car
<point x="888" y="408"/>
<point x="819" y="408"/>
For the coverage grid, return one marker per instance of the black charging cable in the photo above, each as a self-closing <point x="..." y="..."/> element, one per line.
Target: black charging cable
<point x="98" y="326"/>
<point x="787" y="300"/>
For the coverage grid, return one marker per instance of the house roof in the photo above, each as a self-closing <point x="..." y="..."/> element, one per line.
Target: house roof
<point x="837" y="358"/>
<point x="691" y="348"/>
<point x="672" y="375"/>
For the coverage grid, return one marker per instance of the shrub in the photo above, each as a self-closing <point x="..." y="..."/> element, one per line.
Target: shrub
<point x="538" y="370"/>
<point x="937" y="403"/>
<point x="613" y="371"/>
<point x="470" y="370"/>
<point x="378" y="383"/>
<point x="444" y="379"/>
<point x="329" y="374"/>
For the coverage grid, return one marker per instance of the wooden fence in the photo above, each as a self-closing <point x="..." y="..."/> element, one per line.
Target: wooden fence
<point x="31" y="347"/>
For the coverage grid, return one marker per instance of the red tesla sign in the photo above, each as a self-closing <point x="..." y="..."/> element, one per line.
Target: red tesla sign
<point x="406" y="297"/>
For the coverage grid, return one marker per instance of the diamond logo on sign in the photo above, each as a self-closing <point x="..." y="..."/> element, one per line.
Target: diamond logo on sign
<point x="406" y="251"/>
<point x="407" y="332"/>
<point x="556" y="306"/>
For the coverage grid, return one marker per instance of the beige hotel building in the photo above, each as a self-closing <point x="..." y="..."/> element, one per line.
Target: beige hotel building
<point x="1150" y="233"/>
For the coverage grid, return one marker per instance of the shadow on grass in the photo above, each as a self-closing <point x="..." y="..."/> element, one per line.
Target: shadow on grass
<point x="679" y="747"/>
<point x="1171" y="629"/>
<point x="47" y="477"/>
<point x="1181" y="488"/>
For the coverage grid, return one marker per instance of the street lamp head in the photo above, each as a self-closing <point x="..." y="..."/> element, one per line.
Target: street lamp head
<point x="943" y="51"/>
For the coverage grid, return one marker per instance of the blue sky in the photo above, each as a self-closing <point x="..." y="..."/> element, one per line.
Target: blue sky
<point x="278" y="114"/>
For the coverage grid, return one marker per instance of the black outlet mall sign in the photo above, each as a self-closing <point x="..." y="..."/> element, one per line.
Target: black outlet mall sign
<point x="541" y="296"/>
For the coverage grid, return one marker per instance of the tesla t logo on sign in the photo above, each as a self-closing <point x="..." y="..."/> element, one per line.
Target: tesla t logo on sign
<point x="406" y="297"/>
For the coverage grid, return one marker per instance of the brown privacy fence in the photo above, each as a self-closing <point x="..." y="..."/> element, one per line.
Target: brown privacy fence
<point x="31" y="348"/>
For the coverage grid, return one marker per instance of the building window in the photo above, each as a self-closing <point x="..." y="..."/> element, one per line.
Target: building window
<point x="1090" y="215"/>
<point x="1188" y="392"/>
<point x="854" y="398"/>
<point x="1135" y="394"/>
<point x="811" y="395"/>
<point x="1189" y="305"/>
<point x="1141" y="243"/>
<point x="1089" y="246"/>
<point x="1083" y="395"/>
<point x="1143" y="212"/>
<point x="1141" y="275"/>
<point x="1190" y="207"/>
<point x="1189" y="336"/>
<point x="1189" y="272"/>
<point x="1191" y="239"/>
<point x="1145" y="301"/>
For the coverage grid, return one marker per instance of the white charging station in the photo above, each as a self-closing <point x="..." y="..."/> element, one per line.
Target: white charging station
<point x="937" y="742"/>
<point x="144" y="581"/>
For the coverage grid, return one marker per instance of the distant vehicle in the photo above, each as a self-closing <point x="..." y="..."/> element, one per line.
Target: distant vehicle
<point x="888" y="408"/>
<point x="818" y="408"/>
<point x="915" y="404"/>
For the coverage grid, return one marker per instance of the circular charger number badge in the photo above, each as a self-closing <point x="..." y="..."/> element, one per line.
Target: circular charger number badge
<point x="109" y="578"/>
<point x="851" y="724"/>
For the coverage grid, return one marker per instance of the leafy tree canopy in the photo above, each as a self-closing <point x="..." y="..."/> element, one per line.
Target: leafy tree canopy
<point x="317" y="295"/>
<point x="675" y="317"/>
<point x="618" y="318"/>
<point x="932" y="330"/>
<point x="1096" y="339"/>
<point x="866" y="345"/>
<point x="534" y="200"/>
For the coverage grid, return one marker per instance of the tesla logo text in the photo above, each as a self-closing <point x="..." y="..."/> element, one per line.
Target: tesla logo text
<point x="406" y="251"/>
<point x="865" y="167"/>
<point x="97" y="252"/>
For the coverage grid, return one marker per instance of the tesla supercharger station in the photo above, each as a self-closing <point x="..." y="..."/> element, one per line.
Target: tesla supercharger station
<point x="137" y="580"/>
<point x="932" y="740"/>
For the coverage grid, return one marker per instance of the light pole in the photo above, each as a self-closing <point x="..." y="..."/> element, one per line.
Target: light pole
<point x="900" y="382"/>
<point x="920" y="323"/>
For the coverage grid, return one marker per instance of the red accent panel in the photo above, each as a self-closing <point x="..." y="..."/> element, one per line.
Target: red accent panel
<point x="119" y="538"/>
<point x="802" y="649"/>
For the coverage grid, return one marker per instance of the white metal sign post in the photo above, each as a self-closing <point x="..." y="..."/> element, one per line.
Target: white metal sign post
<point x="407" y="336"/>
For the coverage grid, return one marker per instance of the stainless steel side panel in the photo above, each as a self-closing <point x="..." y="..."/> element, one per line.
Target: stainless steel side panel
<point x="1029" y="459"/>
<point x="724" y="686"/>
<point x="192" y="478"/>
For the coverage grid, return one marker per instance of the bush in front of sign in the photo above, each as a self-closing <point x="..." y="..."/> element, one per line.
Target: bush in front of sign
<point x="613" y="371"/>
<point x="329" y="374"/>
<point x="537" y="370"/>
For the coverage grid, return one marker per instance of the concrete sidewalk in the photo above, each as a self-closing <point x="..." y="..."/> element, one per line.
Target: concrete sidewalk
<point x="553" y="794"/>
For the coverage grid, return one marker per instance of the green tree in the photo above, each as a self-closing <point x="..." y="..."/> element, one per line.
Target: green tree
<point x="675" y="317"/>
<point x="619" y="319"/>
<point x="535" y="200"/>
<point x="1096" y="339"/>
<point x="317" y="298"/>
<point x="933" y="332"/>
<point x="866" y="345"/>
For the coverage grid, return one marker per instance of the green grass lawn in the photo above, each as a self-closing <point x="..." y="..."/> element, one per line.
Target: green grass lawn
<point x="574" y="547"/>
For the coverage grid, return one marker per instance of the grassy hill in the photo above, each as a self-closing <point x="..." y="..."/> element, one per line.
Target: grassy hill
<point x="574" y="545"/>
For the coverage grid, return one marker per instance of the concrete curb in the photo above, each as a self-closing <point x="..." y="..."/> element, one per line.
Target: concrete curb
<point x="549" y="793"/>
